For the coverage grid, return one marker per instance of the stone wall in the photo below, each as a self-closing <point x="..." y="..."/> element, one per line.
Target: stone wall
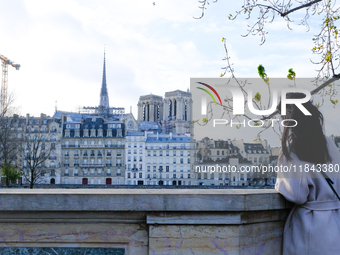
<point x="147" y="221"/>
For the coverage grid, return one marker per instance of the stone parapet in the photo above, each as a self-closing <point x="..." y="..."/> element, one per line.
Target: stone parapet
<point x="146" y="221"/>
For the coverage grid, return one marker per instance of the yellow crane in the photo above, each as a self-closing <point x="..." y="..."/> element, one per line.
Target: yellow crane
<point x="4" y="84"/>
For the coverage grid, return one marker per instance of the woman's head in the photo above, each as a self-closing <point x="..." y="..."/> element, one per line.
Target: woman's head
<point x="306" y="139"/>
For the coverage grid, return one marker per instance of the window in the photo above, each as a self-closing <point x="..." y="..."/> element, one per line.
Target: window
<point x="119" y="153"/>
<point x="149" y="153"/>
<point x="154" y="168"/>
<point x="154" y="153"/>
<point x="148" y="168"/>
<point x="181" y="160"/>
<point x="218" y="152"/>
<point x="140" y="175"/>
<point x="167" y="153"/>
<point x="167" y="168"/>
<point x="188" y="153"/>
<point x="75" y="172"/>
<point x="160" y="153"/>
<point x="66" y="172"/>
<point x="108" y="162"/>
<point x="174" y="153"/>
<point x="181" y="153"/>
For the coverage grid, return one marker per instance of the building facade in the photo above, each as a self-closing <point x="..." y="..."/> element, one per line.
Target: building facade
<point x="93" y="151"/>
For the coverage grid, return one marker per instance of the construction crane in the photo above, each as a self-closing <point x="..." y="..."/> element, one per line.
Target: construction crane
<point x="4" y="84"/>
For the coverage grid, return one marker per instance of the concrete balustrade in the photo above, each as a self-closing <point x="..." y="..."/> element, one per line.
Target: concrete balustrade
<point x="146" y="221"/>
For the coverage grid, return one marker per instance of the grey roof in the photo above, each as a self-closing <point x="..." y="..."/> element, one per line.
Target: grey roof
<point x="166" y="139"/>
<point x="147" y="125"/>
<point x="255" y="148"/>
<point x="135" y="134"/>
<point x="77" y="117"/>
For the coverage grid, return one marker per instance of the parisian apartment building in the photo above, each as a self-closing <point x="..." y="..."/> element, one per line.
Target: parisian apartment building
<point x="158" y="159"/>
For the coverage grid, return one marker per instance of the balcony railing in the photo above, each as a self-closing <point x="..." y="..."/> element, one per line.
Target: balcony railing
<point x="92" y="165"/>
<point x="114" y="145"/>
<point x="69" y="146"/>
<point x="92" y="146"/>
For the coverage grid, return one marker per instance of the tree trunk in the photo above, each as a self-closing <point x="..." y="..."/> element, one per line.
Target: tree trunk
<point x="32" y="180"/>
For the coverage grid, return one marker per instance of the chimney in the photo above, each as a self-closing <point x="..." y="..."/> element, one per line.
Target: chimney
<point x="42" y="117"/>
<point x="27" y="118"/>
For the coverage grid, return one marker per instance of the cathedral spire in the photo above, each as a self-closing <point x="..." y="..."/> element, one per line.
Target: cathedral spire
<point x="104" y="97"/>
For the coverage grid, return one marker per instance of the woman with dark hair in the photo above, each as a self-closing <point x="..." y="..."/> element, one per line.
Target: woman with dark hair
<point x="313" y="225"/>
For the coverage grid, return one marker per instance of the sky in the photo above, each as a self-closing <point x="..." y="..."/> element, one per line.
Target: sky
<point x="152" y="46"/>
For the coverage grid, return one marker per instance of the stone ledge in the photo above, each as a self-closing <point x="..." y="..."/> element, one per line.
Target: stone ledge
<point x="143" y="200"/>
